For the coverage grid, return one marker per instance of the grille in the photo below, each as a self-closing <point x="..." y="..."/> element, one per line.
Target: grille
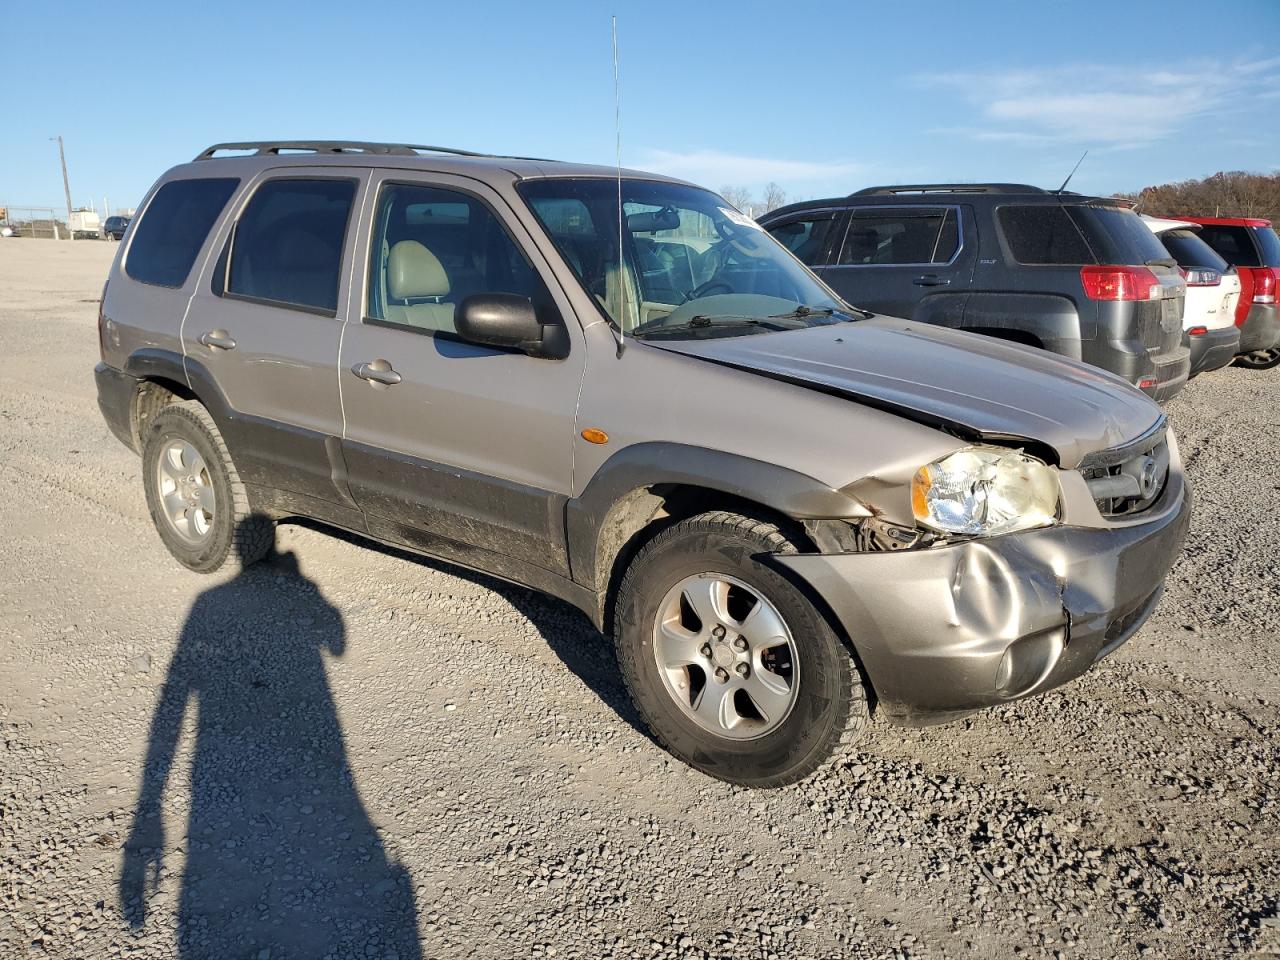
<point x="1128" y="479"/>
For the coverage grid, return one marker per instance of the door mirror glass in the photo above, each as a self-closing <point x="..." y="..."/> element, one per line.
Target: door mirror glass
<point x="500" y="320"/>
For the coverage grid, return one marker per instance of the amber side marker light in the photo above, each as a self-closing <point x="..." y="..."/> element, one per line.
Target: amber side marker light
<point x="592" y="435"/>
<point x="921" y="484"/>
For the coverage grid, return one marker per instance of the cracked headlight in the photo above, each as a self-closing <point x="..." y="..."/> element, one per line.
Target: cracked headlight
<point x="983" y="491"/>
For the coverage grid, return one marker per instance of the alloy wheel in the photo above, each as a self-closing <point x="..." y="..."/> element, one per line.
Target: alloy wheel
<point x="726" y="656"/>
<point x="186" y="491"/>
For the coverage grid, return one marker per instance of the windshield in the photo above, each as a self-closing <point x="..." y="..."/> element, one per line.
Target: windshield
<point x="693" y="267"/>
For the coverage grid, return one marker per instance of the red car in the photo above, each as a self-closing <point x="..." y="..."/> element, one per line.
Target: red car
<point x="1252" y="247"/>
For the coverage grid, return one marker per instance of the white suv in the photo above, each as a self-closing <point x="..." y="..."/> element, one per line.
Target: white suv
<point x="1213" y="289"/>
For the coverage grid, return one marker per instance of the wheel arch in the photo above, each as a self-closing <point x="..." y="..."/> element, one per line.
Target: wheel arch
<point x="1009" y="334"/>
<point x="165" y="377"/>
<point x="161" y="381"/>
<point x="645" y="488"/>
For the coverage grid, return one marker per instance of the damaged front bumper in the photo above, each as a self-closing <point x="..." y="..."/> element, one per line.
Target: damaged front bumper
<point x="943" y="631"/>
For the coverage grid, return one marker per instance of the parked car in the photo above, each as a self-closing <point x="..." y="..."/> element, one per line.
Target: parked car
<point x="8" y="230"/>
<point x="1213" y="290"/>
<point x="1250" y="244"/>
<point x="782" y="512"/>
<point x="1078" y="276"/>
<point x="113" y="228"/>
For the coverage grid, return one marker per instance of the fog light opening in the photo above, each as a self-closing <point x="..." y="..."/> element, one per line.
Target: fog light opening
<point x="1028" y="661"/>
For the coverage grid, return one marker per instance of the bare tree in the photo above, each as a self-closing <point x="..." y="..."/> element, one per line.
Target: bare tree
<point x="1227" y="194"/>
<point x="774" y="197"/>
<point x="740" y="197"/>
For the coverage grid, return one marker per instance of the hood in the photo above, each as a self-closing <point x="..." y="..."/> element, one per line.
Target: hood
<point x="984" y="386"/>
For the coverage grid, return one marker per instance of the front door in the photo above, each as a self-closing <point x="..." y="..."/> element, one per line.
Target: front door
<point x="460" y="450"/>
<point x="265" y="322"/>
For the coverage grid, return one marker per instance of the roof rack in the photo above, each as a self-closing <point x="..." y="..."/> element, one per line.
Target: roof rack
<point x="265" y="148"/>
<point x="949" y="188"/>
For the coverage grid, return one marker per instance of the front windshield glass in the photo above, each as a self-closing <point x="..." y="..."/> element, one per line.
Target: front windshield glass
<point x="693" y="267"/>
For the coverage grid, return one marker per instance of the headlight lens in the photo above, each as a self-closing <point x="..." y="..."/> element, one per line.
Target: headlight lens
<point x="984" y="491"/>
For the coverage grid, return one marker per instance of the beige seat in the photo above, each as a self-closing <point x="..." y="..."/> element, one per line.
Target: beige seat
<point x="414" y="275"/>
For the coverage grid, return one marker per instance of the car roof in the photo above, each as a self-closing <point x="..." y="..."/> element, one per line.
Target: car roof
<point x="1164" y="224"/>
<point x="945" y="193"/>
<point x="348" y="154"/>
<point x="1231" y="221"/>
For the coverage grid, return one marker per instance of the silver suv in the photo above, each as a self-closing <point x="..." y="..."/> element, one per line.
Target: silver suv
<point x="617" y="389"/>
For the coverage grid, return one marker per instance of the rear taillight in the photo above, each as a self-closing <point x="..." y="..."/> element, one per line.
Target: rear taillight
<point x="1264" y="284"/>
<point x="102" y="323"/>
<point x="1201" y="277"/>
<point x="1120" y="283"/>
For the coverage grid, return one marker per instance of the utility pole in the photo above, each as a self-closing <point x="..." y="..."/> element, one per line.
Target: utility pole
<point x="66" y="183"/>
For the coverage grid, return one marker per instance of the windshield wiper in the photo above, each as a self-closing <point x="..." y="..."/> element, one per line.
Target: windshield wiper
<point x="702" y="321"/>
<point x="801" y="312"/>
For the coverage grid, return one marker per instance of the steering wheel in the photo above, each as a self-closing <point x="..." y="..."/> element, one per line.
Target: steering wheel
<point x="705" y="289"/>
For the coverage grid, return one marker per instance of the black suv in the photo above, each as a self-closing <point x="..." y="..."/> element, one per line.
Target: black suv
<point x="1080" y="276"/>
<point x="113" y="228"/>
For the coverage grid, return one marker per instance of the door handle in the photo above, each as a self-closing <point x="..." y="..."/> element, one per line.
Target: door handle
<point x="379" y="371"/>
<point x="930" y="280"/>
<point x="218" y="340"/>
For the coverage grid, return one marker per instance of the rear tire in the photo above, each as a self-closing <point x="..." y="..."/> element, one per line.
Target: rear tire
<point x="197" y="502"/>
<point x="1259" y="359"/>
<point x="780" y="707"/>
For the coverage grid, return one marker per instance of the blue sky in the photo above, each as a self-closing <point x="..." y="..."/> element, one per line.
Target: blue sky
<point x="822" y="98"/>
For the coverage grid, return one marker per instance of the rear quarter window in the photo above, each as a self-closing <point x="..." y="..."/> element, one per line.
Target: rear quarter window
<point x="1117" y="234"/>
<point x="1042" y="234"/>
<point x="173" y="228"/>
<point x="1269" y="244"/>
<point x="1190" y="251"/>
<point x="1233" y="244"/>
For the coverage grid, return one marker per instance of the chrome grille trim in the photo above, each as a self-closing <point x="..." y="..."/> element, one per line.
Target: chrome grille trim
<point x="1128" y="479"/>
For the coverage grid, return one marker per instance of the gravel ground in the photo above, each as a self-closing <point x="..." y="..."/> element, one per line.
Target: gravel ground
<point x="351" y="752"/>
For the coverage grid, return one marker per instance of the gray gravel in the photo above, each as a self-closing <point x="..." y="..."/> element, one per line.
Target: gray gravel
<point x="350" y="752"/>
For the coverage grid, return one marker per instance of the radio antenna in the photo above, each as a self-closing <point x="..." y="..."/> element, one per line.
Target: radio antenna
<point x="617" y="132"/>
<point x="1072" y="173"/>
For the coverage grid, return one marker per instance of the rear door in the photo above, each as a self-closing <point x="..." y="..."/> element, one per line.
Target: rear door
<point x="265" y="322"/>
<point x="461" y="450"/>
<point x="909" y="261"/>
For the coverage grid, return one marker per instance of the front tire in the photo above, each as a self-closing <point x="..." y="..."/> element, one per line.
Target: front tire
<point x="732" y="665"/>
<point x="197" y="502"/>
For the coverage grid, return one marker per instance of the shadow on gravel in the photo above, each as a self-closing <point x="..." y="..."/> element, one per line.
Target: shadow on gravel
<point x="280" y="854"/>
<point x="586" y="652"/>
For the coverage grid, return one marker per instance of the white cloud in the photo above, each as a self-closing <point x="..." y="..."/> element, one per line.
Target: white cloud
<point x="1097" y="105"/>
<point x="715" y="168"/>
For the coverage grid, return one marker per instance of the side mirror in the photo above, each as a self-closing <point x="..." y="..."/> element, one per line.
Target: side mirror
<point x="500" y="320"/>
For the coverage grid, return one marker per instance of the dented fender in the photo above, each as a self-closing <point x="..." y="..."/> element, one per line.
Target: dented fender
<point x="948" y="629"/>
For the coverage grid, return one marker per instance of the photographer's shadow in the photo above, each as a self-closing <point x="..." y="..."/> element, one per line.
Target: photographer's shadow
<point x="280" y="853"/>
